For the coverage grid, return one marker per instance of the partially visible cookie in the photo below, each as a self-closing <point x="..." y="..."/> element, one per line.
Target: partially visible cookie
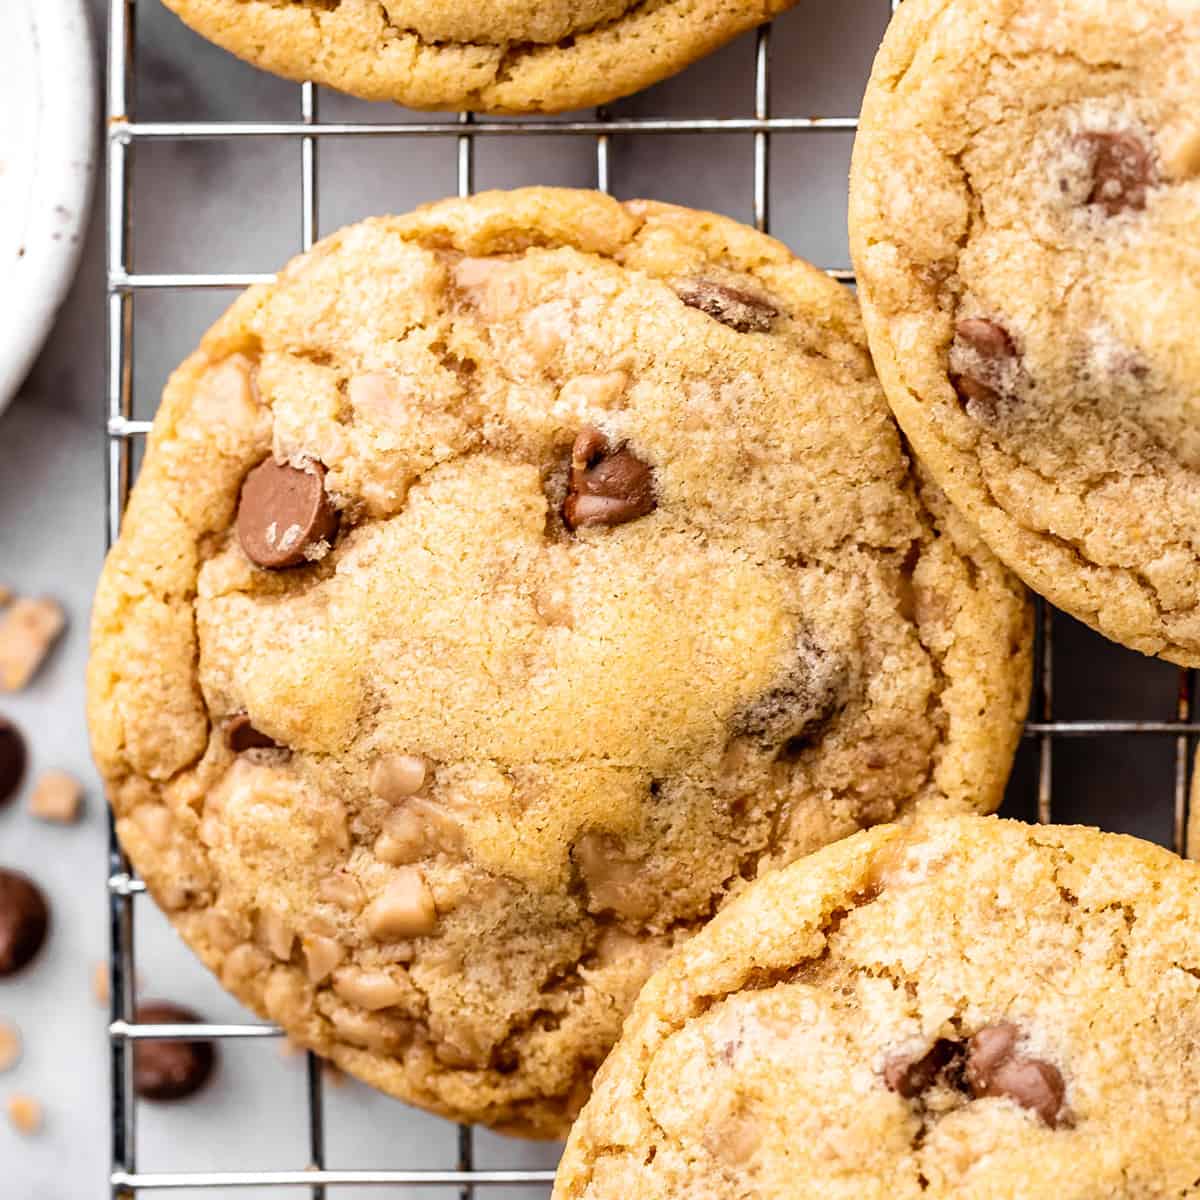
<point x="1024" y="222"/>
<point x="974" y="1008"/>
<point x="506" y="586"/>
<point x="500" y="56"/>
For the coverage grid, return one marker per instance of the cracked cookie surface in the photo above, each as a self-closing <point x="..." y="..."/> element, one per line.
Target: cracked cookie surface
<point x="500" y="56"/>
<point x="504" y="587"/>
<point x="1023" y="210"/>
<point x="970" y="1008"/>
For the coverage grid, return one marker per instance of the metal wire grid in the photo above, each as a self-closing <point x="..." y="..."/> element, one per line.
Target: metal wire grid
<point x="124" y="132"/>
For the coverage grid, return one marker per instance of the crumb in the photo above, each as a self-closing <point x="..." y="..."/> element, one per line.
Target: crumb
<point x="5" y="595"/>
<point x="57" y="797"/>
<point x="28" y="629"/>
<point x="10" y="1046"/>
<point x="102" y="984"/>
<point x="101" y="987"/>
<point x="25" y="1113"/>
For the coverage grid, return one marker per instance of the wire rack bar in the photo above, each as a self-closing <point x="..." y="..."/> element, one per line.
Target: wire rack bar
<point x="188" y="131"/>
<point x="119" y="403"/>
<point x="124" y="283"/>
<point x="125" y="1031"/>
<point x="602" y="147"/>
<point x="217" y="1180"/>
<point x="131" y="281"/>
<point x="762" y="145"/>
<point x="309" y="226"/>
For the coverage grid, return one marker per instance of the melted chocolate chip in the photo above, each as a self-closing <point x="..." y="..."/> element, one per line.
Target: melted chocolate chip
<point x="807" y="694"/>
<point x="739" y="309"/>
<point x="986" y="351"/>
<point x="988" y="1048"/>
<point x="1032" y="1084"/>
<point x="12" y="760"/>
<point x="24" y="919"/>
<point x="979" y="399"/>
<point x="1122" y="171"/>
<point x="910" y="1077"/>
<point x="987" y="1065"/>
<point x="284" y="514"/>
<point x="240" y="735"/>
<point x="994" y="1068"/>
<point x="606" y="486"/>
<point x="170" y="1070"/>
<point x="986" y="338"/>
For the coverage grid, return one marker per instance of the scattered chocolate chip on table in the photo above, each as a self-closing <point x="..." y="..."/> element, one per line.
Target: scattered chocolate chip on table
<point x="170" y="1070"/>
<point x="24" y="921"/>
<point x="13" y="758"/>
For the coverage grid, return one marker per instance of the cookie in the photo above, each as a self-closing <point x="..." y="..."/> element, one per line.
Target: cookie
<point x="974" y="1008"/>
<point x="504" y="587"/>
<point x="1023" y="222"/>
<point x="501" y="56"/>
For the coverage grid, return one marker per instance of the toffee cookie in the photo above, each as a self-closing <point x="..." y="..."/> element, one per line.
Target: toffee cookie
<point x="966" y="1008"/>
<point x="1023" y="209"/>
<point x="505" y="586"/>
<point x="500" y="56"/>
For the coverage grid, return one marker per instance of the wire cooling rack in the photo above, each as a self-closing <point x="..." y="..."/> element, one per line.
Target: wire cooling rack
<point x="1032" y="794"/>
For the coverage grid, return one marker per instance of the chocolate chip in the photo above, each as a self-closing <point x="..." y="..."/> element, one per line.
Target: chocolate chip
<point x="912" y="1076"/>
<point x="986" y="352"/>
<point x="807" y="693"/>
<point x="987" y="1049"/>
<point x="995" y="1069"/>
<point x="240" y="735"/>
<point x="12" y="760"/>
<point x="739" y="309"/>
<point x="24" y="919"/>
<point x="986" y="338"/>
<point x="285" y="514"/>
<point x="1122" y="171"/>
<point x="170" y="1070"/>
<point x="606" y="486"/>
<point x="979" y="398"/>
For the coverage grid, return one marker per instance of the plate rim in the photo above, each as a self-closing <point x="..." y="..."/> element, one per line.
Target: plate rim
<point x="61" y="188"/>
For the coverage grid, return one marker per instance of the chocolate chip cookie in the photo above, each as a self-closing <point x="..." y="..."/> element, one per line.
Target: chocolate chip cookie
<point x="505" y="587"/>
<point x="970" y="1008"/>
<point x="499" y="56"/>
<point x="1023" y="210"/>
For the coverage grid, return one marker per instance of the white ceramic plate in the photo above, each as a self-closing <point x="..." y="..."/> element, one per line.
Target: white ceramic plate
<point x="47" y="153"/>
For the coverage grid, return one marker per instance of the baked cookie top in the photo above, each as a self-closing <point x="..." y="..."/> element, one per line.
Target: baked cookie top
<point x="973" y="1009"/>
<point x="1024" y="203"/>
<point x="504" y="587"/>
<point x="500" y="56"/>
